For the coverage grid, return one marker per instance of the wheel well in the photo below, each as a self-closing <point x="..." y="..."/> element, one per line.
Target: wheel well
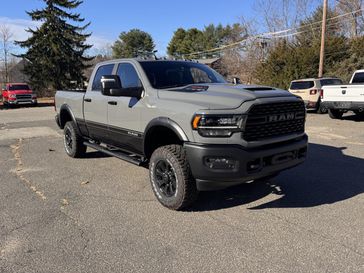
<point x="159" y="136"/>
<point x="65" y="116"/>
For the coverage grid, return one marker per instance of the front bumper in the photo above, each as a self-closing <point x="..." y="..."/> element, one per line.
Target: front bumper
<point x="311" y="104"/>
<point x="19" y="101"/>
<point x="344" y="105"/>
<point x="250" y="164"/>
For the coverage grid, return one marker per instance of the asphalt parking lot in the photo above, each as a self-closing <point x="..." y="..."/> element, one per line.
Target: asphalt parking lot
<point x="99" y="214"/>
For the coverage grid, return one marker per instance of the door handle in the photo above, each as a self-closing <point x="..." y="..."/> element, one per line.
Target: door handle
<point x="87" y="100"/>
<point x="112" y="103"/>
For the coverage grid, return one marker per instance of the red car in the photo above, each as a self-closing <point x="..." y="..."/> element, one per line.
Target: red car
<point x="18" y="93"/>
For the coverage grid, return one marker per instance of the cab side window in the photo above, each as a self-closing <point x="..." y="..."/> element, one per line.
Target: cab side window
<point x="102" y="71"/>
<point x="128" y="76"/>
<point x="358" y="77"/>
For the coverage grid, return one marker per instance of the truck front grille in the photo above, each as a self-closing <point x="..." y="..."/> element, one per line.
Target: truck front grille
<point x="24" y="97"/>
<point x="274" y="120"/>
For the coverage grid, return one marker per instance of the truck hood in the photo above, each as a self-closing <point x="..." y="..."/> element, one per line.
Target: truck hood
<point x="220" y="96"/>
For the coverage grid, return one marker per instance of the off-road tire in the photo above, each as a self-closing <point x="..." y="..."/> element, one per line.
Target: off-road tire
<point x="335" y="114"/>
<point x="185" y="185"/>
<point x="320" y="109"/>
<point x="77" y="149"/>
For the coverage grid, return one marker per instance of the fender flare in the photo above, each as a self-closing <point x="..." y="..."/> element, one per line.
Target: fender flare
<point x="164" y="122"/>
<point x="67" y="108"/>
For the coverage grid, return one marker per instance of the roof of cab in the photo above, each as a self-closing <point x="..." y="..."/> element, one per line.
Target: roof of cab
<point x="314" y="79"/>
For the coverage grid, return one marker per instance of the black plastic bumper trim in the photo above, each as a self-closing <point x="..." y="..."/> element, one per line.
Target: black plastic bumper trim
<point x="270" y="161"/>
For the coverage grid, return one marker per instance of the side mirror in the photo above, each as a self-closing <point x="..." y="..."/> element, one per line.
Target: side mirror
<point x="132" y="92"/>
<point x="108" y="83"/>
<point x="111" y="86"/>
<point x="236" y="81"/>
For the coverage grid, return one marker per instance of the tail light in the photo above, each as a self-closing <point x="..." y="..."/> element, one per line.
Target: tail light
<point x="313" y="91"/>
<point x="322" y="94"/>
<point x="54" y="104"/>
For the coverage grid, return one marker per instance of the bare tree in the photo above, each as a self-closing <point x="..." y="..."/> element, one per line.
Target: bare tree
<point x="356" y="25"/>
<point x="5" y="39"/>
<point x="283" y="14"/>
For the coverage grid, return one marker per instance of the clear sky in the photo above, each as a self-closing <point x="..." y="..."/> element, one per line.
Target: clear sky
<point x="160" y="18"/>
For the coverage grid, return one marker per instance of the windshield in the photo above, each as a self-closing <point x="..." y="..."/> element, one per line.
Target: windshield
<point x="15" y="87"/>
<point x="302" y="85"/>
<point x="330" y="82"/>
<point x="169" y="74"/>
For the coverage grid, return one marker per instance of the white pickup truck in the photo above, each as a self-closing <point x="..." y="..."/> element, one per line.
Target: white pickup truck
<point x="339" y="99"/>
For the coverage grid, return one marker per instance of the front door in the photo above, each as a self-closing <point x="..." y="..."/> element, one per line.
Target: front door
<point x="124" y="113"/>
<point x="96" y="107"/>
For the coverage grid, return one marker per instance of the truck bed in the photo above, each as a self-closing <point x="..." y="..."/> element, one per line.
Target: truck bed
<point x="73" y="99"/>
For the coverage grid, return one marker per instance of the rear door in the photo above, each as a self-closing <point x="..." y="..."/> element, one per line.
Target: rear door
<point x="96" y="106"/>
<point x="124" y="113"/>
<point x="302" y="89"/>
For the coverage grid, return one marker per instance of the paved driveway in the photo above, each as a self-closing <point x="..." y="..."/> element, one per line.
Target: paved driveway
<point x="98" y="214"/>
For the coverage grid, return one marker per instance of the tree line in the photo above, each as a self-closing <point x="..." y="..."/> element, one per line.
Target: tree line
<point x="57" y="54"/>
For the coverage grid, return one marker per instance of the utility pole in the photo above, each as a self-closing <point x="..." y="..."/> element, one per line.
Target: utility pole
<point x="323" y="38"/>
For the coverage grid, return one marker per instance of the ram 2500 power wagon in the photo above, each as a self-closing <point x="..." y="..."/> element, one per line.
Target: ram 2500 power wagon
<point x="339" y="99"/>
<point x="181" y="119"/>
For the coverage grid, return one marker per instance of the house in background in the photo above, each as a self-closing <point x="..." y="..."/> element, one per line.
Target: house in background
<point x="16" y="73"/>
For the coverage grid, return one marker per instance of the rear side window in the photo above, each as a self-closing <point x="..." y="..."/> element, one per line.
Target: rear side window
<point x="128" y="76"/>
<point x="102" y="71"/>
<point x="358" y="78"/>
<point x="302" y="85"/>
<point x="330" y="82"/>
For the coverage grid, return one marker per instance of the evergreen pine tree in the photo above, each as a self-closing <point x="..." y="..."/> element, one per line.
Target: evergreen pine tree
<point x="56" y="50"/>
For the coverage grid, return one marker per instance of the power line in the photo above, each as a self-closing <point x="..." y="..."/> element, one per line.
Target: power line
<point x="273" y="35"/>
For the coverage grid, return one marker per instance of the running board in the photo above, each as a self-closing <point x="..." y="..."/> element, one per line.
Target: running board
<point x="119" y="154"/>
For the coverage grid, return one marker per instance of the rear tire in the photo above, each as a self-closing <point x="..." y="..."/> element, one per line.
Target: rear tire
<point x="321" y="109"/>
<point x="335" y="114"/>
<point x="73" y="141"/>
<point x="171" y="177"/>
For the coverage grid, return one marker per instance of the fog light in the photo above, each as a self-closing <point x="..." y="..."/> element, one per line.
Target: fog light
<point x="254" y="165"/>
<point x="221" y="163"/>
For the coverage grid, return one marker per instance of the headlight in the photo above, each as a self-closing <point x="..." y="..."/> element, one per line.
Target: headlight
<point x="13" y="96"/>
<point x="34" y="96"/>
<point x="218" y="125"/>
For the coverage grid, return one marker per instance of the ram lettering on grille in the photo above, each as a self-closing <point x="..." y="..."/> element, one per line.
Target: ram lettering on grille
<point x="274" y="120"/>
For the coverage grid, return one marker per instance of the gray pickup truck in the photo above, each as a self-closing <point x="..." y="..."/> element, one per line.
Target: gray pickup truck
<point x="182" y="120"/>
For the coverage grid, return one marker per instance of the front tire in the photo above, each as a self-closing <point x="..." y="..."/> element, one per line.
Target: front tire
<point x="73" y="141"/>
<point x="335" y="114"/>
<point x="171" y="177"/>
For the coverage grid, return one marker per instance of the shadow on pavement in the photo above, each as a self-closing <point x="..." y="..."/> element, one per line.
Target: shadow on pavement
<point x="328" y="176"/>
<point x="356" y="118"/>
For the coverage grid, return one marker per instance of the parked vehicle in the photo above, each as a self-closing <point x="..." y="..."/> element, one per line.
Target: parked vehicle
<point x="194" y="130"/>
<point x="339" y="99"/>
<point x="18" y="93"/>
<point x="310" y="91"/>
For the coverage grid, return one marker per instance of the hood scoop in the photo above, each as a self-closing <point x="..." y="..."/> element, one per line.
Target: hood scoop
<point x="260" y="88"/>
